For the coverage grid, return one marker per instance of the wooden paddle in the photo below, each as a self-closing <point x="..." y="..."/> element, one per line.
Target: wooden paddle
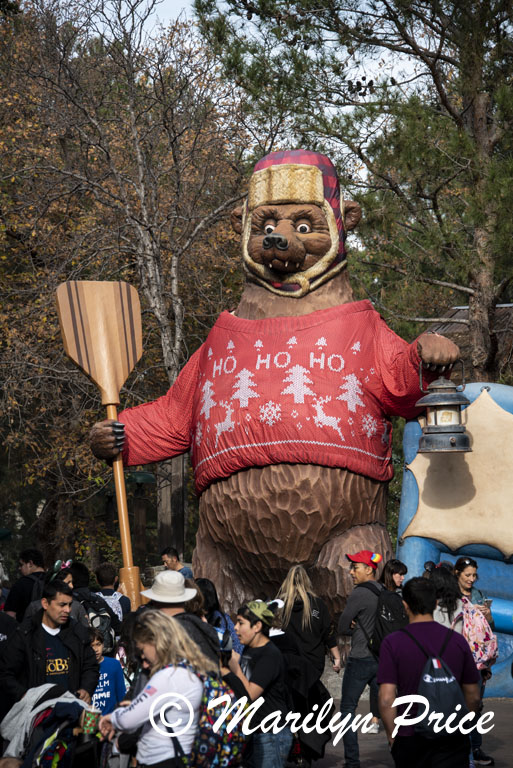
<point x="101" y="329"/>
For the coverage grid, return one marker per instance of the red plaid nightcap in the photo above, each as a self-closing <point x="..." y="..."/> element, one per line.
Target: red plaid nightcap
<point x="329" y="177"/>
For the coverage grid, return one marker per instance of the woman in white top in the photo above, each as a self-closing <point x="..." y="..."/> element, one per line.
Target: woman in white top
<point x="449" y="607"/>
<point x="171" y="699"/>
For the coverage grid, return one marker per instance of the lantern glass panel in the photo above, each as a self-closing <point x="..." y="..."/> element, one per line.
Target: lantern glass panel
<point x="444" y="416"/>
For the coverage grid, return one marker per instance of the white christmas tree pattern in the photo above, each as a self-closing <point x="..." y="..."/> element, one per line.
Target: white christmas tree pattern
<point x="207" y="400"/>
<point x="298" y="378"/>
<point x="369" y="425"/>
<point x="356" y="347"/>
<point x="230" y="345"/>
<point x="351" y="389"/>
<point x="258" y="344"/>
<point x="243" y="388"/>
<point x="292" y="341"/>
<point x="210" y="353"/>
<point x="321" y="342"/>
<point x="270" y="413"/>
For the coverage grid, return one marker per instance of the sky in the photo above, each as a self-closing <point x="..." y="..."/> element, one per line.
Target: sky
<point x="167" y="10"/>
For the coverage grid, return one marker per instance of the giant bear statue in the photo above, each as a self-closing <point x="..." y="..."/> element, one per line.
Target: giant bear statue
<point x="286" y="406"/>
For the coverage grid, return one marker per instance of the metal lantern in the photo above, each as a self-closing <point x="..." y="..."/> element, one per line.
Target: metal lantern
<point x="444" y="431"/>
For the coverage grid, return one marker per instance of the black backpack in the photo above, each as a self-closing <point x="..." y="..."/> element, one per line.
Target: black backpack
<point x="440" y="688"/>
<point x="37" y="586"/>
<point x="99" y="618"/>
<point x="390" y="616"/>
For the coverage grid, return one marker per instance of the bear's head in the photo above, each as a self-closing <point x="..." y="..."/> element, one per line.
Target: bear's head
<point x="293" y="229"/>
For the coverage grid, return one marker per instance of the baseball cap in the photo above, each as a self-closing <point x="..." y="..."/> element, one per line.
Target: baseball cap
<point x="366" y="557"/>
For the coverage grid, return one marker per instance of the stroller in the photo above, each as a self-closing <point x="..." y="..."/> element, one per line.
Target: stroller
<point x="41" y="731"/>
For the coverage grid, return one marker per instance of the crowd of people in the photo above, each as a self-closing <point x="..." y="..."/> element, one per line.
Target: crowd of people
<point x="66" y="649"/>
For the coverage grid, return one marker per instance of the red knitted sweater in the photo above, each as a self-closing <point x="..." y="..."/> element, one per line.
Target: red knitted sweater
<point x="315" y="389"/>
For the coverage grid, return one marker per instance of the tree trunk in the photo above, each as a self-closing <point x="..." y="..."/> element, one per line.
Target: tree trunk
<point x="482" y="313"/>
<point x="139" y="525"/>
<point x="171" y="502"/>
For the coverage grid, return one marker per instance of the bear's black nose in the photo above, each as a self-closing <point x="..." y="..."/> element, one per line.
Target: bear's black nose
<point x="275" y="241"/>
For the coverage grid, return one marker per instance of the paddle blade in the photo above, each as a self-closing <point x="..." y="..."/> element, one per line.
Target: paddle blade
<point x="101" y="329"/>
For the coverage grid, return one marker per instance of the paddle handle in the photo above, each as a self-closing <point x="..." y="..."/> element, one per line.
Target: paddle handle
<point x="119" y="484"/>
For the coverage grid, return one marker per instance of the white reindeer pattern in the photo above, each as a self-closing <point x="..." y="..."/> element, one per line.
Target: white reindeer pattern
<point x="228" y="425"/>
<point x="321" y="419"/>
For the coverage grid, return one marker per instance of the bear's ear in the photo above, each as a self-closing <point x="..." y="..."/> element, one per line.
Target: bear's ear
<point x="236" y="219"/>
<point x="352" y="214"/>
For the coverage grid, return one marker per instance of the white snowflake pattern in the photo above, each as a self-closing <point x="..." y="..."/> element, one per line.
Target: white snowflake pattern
<point x="366" y="379"/>
<point x="356" y="347"/>
<point x="292" y="341"/>
<point x="321" y="342"/>
<point x="294" y="414"/>
<point x="259" y="344"/>
<point x="230" y="345"/>
<point x="372" y="371"/>
<point x="248" y="417"/>
<point x="270" y="413"/>
<point x="350" y="420"/>
<point x="369" y="425"/>
<point x="299" y="425"/>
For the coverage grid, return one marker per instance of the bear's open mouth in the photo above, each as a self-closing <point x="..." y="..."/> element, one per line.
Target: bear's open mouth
<point x="281" y="264"/>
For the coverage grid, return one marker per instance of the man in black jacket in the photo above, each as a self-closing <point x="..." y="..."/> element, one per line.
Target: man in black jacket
<point x="29" y="586"/>
<point x="169" y="594"/>
<point x="50" y="647"/>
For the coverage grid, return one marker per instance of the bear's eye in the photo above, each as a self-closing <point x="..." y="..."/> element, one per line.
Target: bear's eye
<point x="268" y="229"/>
<point x="303" y="228"/>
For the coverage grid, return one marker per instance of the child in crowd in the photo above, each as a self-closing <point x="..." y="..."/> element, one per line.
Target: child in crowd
<point x="111" y="686"/>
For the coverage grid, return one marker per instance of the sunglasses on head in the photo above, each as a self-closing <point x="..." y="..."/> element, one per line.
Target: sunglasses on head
<point x="430" y="566"/>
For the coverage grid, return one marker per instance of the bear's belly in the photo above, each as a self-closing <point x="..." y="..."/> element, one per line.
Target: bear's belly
<point x="258" y="522"/>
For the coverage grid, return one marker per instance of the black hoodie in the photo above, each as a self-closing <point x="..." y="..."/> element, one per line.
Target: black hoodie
<point x="203" y="635"/>
<point x="313" y="640"/>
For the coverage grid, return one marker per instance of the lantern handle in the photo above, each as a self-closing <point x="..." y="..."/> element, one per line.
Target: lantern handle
<point x="459" y="388"/>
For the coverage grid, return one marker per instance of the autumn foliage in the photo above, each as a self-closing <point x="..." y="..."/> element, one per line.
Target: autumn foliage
<point x="120" y="154"/>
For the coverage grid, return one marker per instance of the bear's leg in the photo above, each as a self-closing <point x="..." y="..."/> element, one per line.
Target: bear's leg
<point x="226" y="566"/>
<point x="256" y="524"/>
<point x="330" y="573"/>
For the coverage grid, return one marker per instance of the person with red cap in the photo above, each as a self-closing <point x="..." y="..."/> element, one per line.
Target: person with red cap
<point x="358" y="621"/>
